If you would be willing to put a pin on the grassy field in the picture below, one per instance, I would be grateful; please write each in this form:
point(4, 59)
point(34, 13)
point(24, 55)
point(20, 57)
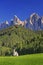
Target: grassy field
point(34, 59)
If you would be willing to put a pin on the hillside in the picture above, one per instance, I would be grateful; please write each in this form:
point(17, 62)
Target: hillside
point(23, 40)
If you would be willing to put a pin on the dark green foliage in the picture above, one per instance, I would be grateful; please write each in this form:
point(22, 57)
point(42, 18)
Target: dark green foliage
point(23, 40)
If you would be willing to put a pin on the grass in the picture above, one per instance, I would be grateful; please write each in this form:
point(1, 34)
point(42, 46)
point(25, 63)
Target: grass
point(33, 59)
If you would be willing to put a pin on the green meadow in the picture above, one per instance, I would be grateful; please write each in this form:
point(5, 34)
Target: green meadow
point(33, 59)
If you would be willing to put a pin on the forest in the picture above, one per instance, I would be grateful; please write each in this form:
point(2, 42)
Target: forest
point(24, 41)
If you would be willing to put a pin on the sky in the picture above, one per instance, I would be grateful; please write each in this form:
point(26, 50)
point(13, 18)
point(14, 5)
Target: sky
point(22, 8)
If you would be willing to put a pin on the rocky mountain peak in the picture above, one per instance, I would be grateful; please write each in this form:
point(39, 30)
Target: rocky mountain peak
point(33, 18)
point(34, 22)
point(16, 18)
point(17, 21)
point(6, 22)
point(42, 19)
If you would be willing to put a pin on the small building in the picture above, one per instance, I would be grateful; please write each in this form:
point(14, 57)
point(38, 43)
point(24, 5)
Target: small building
point(15, 53)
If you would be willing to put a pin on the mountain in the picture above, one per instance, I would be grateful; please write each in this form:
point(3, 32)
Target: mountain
point(22, 36)
point(17, 21)
point(4, 25)
point(34, 22)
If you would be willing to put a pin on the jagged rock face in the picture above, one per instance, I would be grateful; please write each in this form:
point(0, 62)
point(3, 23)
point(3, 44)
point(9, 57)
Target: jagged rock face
point(17, 21)
point(42, 22)
point(34, 18)
point(4, 24)
point(42, 19)
point(35, 22)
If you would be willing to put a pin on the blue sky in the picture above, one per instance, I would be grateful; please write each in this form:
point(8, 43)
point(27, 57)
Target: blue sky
point(22, 8)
